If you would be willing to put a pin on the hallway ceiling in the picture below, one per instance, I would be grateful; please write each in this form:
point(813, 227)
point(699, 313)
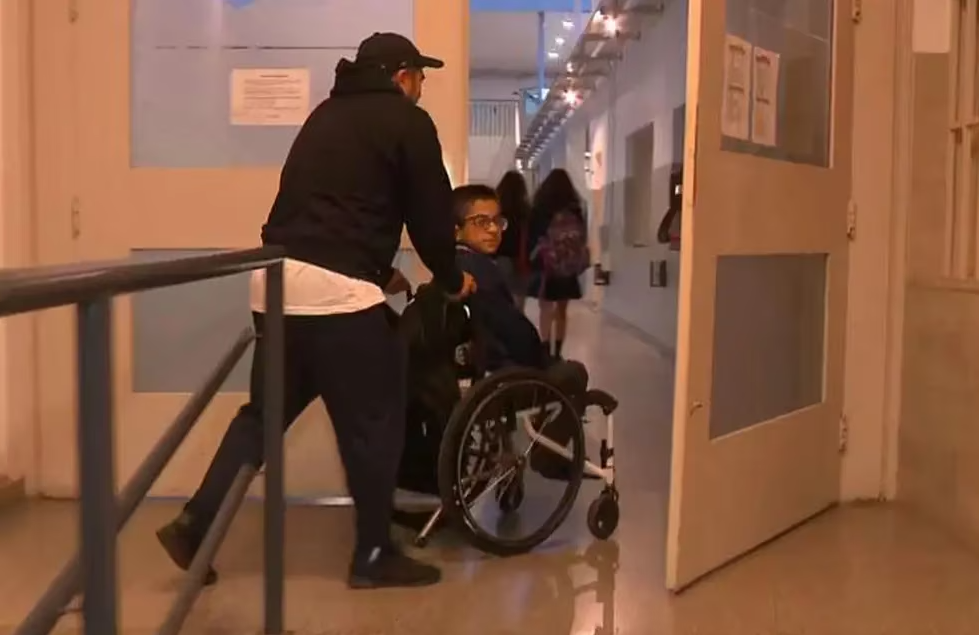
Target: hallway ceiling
point(505, 43)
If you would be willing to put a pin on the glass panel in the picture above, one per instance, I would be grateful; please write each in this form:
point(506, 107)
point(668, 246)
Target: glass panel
point(183, 53)
point(769, 338)
point(180, 333)
point(799, 32)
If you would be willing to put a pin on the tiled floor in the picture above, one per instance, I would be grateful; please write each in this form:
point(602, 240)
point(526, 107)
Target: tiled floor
point(853, 571)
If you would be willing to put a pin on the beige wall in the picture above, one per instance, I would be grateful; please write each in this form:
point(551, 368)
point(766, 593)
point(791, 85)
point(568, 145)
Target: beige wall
point(16, 340)
point(4, 391)
point(442, 29)
point(937, 435)
point(938, 430)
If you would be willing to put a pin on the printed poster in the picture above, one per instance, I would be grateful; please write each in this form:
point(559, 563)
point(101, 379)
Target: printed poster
point(270, 96)
point(765, 96)
point(738, 77)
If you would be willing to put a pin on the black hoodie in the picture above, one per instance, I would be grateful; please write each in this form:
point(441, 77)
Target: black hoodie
point(366, 162)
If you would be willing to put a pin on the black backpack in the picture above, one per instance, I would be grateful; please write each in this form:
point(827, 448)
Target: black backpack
point(432, 327)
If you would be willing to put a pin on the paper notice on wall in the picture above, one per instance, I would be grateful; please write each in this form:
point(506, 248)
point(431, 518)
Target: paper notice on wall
point(765, 96)
point(270, 96)
point(738, 76)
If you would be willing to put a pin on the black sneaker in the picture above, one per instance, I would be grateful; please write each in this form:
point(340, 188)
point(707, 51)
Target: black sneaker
point(389, 567)
point(181, 540)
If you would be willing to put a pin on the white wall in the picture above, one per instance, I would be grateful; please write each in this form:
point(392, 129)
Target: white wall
point(648, 85)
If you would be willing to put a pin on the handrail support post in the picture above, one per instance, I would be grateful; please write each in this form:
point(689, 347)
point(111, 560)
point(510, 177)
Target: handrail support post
point(96, 460)
point(272, 339)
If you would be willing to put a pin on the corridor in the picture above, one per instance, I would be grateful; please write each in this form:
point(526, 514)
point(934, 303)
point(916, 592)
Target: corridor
point(857, 570)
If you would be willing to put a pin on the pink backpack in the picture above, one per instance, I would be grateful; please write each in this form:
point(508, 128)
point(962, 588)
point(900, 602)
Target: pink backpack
point(564, 248)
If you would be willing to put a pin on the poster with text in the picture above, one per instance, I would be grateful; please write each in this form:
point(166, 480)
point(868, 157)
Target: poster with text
point(765, 96)
point(738, 77)
point(270, 96)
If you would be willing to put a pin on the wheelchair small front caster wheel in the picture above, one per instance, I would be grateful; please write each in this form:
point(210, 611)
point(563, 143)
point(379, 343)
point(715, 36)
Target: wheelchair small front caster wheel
point(510, 496)
point(604, 515)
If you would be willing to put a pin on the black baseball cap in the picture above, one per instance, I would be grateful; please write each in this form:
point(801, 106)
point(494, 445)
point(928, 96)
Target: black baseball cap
point(394, 52)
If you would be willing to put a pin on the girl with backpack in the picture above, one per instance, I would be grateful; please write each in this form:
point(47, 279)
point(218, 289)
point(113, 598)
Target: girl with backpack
point(559, 255)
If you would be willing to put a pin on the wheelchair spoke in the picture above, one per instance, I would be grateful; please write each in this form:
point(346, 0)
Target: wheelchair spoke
point(492, 485)
point(536, 431)
point(483, 475)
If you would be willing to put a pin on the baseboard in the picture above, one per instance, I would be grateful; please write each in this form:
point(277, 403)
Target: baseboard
point(11, 491)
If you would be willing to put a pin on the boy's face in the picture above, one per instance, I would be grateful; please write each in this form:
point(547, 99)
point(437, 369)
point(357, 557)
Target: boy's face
point(483, 227)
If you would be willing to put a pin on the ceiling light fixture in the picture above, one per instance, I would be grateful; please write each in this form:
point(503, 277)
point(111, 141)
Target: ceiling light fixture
point(559, 40)
point(567, 24)
point(610, 25)
point(552, 55)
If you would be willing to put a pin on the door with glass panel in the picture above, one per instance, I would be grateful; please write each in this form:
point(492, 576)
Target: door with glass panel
point(162, 125)
point(763, 276)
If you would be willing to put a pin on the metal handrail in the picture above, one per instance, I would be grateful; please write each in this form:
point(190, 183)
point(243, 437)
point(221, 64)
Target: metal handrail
point(91, 287)
point(35, 288)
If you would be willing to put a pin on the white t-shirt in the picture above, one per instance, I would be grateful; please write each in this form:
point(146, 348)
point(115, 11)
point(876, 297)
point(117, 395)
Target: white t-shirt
point(312, 290)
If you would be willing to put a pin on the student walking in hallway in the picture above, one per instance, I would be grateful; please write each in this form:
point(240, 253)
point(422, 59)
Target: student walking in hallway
point(559, 255)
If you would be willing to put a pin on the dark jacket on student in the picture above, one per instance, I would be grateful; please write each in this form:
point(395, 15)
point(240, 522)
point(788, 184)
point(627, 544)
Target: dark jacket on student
point(366, 162)
point(508, 336)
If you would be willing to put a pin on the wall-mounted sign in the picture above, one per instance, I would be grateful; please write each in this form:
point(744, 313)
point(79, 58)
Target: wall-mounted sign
point(765, 96)
point(738, 78)
point(270, 96)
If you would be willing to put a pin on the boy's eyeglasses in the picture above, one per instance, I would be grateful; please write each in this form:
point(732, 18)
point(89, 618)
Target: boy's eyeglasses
point(486, 222)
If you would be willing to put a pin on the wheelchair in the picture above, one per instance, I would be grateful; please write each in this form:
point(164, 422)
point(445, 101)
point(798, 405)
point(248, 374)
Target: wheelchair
point(463, 448)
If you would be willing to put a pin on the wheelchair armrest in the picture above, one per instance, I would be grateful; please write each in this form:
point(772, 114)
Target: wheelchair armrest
point(603, 400)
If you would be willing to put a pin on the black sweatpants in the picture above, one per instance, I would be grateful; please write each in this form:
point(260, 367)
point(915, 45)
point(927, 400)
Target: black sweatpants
point(356, 363)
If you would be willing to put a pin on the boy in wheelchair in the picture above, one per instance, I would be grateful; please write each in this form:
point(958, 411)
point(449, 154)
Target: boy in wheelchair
point(506, 335)
point(497, 333)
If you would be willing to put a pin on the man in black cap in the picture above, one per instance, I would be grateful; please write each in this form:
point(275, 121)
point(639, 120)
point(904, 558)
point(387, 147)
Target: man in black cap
point(366, 163)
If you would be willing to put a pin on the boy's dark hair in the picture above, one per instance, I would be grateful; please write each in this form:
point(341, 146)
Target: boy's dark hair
point(466, 195)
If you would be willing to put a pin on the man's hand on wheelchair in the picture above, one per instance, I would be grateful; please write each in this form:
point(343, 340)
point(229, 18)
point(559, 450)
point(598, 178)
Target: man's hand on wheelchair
point(468, 288)
point(398, 284)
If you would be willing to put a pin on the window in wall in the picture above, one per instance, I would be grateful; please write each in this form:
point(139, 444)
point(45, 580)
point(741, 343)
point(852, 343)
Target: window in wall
point(788, 45)
point(961, 212)
point(493, 117)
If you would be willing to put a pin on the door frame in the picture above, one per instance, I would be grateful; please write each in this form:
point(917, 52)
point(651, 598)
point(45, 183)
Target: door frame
point(18, 399)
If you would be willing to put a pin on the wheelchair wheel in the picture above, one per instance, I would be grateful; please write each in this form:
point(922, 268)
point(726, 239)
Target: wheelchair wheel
point(480, 459)
point(603, 517)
